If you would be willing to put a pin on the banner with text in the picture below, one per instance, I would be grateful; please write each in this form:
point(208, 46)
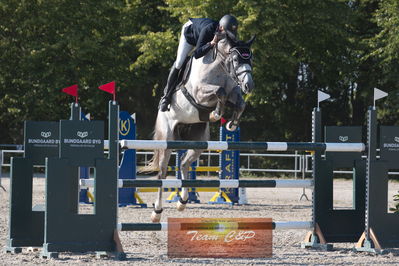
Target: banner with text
point(220, 237)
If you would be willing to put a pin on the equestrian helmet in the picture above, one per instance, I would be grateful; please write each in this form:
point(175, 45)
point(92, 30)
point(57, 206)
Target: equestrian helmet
point(230, 25)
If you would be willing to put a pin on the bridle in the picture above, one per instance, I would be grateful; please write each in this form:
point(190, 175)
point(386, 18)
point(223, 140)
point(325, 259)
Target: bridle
point(244, 56)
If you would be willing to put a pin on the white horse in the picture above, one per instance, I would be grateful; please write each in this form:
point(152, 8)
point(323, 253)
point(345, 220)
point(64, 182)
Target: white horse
point(214, 80)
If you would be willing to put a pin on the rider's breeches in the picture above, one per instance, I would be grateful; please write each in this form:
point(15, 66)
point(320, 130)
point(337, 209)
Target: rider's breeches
point(184, 47)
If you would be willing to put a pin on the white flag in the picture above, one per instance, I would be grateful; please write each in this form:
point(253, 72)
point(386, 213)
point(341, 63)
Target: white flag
point(87, 116)
point(133, 116)
point(321, 96)
point(378, 94)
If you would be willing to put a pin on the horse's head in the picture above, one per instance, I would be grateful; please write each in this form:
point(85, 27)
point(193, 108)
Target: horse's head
point(238, 60)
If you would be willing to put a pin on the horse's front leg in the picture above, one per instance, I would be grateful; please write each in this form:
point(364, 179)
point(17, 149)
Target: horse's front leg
point(235, 119)
point(216, 114)
point(239, 106)
point(188, 159)
point(164, 156)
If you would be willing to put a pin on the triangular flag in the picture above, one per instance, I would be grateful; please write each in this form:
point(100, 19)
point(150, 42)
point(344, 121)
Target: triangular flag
point(109, 87)
point(71, 90)
point(133, 116)
point(223, 121)
point(87, 116)
point(378, 94)
point(321, 96)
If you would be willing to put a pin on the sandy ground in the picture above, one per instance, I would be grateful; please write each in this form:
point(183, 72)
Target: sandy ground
point(150, 248)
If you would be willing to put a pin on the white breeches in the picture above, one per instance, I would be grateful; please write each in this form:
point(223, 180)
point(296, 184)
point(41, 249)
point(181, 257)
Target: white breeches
point(184, 47)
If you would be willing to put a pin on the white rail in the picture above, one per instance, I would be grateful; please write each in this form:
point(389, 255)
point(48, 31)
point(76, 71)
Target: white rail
point(301, 162)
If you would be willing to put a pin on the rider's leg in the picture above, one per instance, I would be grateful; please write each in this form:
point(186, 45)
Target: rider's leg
point(182, 52)
point(168, 91)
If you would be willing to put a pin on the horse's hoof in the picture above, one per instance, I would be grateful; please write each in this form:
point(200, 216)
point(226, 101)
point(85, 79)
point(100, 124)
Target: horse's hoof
point(230, 126)
point(180, 206)
point(155, 217)
point(214, 117)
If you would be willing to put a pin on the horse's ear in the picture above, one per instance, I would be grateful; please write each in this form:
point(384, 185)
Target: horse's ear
point(249, 43)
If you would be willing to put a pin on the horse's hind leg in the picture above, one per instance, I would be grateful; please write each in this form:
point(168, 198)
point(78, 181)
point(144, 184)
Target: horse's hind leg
point(164, 156)
point(188, 159)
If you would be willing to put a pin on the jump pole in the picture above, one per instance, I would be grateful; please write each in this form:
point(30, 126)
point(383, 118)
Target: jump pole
point(179, 183)
point(228, 169)
point(243, 145)
point(298, 225)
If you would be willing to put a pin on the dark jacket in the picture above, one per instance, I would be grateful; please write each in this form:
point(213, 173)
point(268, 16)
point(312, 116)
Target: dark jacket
point(200, 34)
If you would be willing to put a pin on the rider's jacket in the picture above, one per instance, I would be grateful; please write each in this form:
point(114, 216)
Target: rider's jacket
point(200, 34)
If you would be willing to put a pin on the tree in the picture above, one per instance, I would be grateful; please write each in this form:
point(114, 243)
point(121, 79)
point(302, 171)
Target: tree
point(384, 48)
point(48, 45)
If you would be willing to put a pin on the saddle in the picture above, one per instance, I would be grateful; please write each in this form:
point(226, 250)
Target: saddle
point(182, 79)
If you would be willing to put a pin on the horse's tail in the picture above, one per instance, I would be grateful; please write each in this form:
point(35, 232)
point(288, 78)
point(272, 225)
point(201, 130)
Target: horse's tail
point(153, 164)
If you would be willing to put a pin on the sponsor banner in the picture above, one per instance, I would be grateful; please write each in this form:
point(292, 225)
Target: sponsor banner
point(231, 162)
point(220, 237)
point(127, 126)
point(82, 141)
point(389, 144)
point(41, 140)
point(343, 134)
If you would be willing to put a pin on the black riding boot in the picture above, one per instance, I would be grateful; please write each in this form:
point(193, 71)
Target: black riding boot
point(168, 91)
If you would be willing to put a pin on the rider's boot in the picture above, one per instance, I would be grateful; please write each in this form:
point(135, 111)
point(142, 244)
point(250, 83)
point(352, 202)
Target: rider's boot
point(168, 91)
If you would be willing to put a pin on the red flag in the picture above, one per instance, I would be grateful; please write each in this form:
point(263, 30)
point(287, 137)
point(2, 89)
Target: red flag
point(109, 87)
point(72, 90)
point(222, 121)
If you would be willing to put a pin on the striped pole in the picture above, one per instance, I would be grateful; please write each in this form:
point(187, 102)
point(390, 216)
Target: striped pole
point(298, 225)
point(197, 168)
point(227, 183)
point(155, 189)
point(242, 145)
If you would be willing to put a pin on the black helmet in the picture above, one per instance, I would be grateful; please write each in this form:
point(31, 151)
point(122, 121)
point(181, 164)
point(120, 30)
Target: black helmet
point(230, 25)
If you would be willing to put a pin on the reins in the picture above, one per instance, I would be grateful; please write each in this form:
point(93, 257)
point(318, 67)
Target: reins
point(222, 63)
point(232, 73)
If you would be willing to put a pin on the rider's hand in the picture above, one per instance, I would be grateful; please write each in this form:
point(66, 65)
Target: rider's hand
point(215, 40)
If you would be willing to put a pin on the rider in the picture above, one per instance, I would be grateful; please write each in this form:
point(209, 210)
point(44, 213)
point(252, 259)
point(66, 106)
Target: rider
point(203, 34)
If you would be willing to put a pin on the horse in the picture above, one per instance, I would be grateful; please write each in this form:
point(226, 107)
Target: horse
point(217, 79)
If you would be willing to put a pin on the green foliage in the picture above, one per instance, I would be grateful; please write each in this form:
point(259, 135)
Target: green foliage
point(345, 48)
point(155, 48)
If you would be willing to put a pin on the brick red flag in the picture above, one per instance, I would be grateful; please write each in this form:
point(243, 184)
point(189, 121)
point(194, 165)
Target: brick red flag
point(109, 87)
point(71, 90)
point(222, 121)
